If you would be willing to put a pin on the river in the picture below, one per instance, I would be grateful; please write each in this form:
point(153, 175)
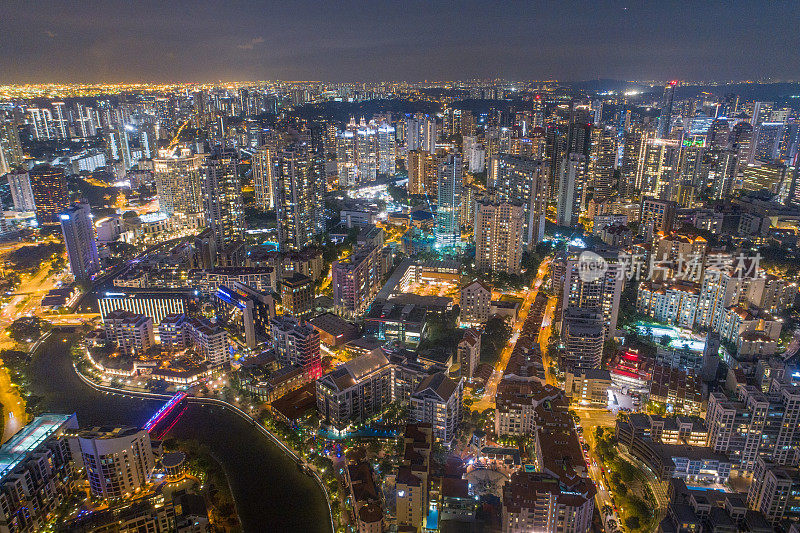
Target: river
point(271, 493)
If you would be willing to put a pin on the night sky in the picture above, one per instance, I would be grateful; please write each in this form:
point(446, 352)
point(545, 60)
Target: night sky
point(128, 40)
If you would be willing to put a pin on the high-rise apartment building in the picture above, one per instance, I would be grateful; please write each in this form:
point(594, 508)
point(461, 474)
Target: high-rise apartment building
point(421, 133)
point(521, 180)
point(603, 161)
point(475, 303)
point(657, 171)
point(364, 150)
point(346, 153)
point(656, 216)
point(602, 292)
point(296, 343)
point(49, 192)
point(60, 122)
point(423, 173)
point(755, 425)
point(665, 119)
point(412, 487)
point(298, 197)
point(571, 189)
point(178, 177)
point(448, 212)
point(775, 491)
point(582, 334)
point(437, 401)
point(469, 352)
point(118, 460)
point(10, 146)
point(78, 231)
point(132, 333)
point(297, 294)
point(41, 121)
point(19, 182)
point(498, 237)
point(222, 197)
point(263, 178)
point(386, 149)
point(38, 475)
point(356, 280)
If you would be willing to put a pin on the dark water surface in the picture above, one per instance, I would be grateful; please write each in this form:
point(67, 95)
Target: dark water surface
point(271, 493)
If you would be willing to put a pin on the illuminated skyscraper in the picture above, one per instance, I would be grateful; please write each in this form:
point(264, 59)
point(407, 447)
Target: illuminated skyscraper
point(421, 132)
point(49, 192)
point(178, 182)
point(76, 225)
point(346, 157)
point(521, 180)
point(298, 197)
point(665, 120)
point(498, 237)
point(363, 151)
point(366, 153)
point(571, 189)
point(263, 181)
point(603, 160)
point(21, 192)
point(60, 124)
point(423, 173)
point(222, 197)
point(448, 220)
point(386, 150)
point(42, 122)
point(10, 147)
point(761, 112)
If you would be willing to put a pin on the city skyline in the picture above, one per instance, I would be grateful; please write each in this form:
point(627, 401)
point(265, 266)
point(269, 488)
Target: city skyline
point(182, 42)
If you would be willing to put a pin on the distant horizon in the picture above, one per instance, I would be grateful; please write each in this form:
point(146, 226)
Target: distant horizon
point(435, 40)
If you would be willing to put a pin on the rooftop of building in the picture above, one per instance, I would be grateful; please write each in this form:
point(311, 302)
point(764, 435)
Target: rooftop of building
point(333, 325)
point(108, 432)
point(296, 280)
point(350, 373)
point(438, 384)
point(29, 438)
point(127, 317)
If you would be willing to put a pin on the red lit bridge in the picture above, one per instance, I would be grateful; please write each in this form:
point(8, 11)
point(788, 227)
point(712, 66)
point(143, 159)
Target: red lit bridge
point(167, 415)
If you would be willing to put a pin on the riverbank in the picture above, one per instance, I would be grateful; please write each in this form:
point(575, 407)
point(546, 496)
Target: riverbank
point(266, 484)
point(216, 490)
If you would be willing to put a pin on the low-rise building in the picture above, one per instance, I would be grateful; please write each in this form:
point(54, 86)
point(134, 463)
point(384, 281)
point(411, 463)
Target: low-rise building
point(365, 497)
point(333, 330)
point(588, 386)
point(403, 323)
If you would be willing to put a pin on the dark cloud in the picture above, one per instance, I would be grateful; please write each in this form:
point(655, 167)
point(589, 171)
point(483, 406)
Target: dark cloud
point(182, 40)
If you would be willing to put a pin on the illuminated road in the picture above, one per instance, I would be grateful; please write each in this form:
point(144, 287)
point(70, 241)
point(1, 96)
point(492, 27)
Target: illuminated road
point(24, 303)
point(488, 400)
point(544, 339)
point(590, 419)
